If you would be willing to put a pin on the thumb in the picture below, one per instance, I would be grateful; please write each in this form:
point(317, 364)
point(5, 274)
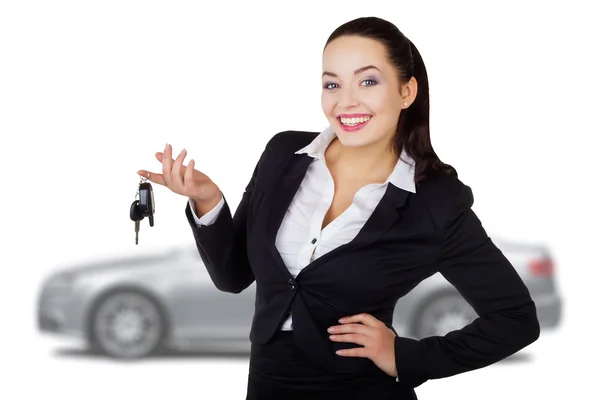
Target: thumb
point(153, 177)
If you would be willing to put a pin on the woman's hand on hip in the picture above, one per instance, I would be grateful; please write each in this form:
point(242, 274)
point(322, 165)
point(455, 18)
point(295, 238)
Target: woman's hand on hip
point(181, 179)
point(374, 335)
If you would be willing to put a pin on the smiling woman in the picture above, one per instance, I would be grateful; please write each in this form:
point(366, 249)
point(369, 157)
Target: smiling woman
point(336, 226)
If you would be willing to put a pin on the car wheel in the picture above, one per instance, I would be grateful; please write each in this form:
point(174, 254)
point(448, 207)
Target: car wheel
point(127, 324)
point(443, 314)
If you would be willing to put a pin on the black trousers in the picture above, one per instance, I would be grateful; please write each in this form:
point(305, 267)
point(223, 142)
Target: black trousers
point(279, 370)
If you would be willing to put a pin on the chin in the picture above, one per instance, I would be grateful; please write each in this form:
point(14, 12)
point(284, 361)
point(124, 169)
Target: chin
point(352, 139)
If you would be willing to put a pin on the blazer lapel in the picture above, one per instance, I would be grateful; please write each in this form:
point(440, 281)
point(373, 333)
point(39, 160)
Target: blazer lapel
point(385, 215)
point(281, 197)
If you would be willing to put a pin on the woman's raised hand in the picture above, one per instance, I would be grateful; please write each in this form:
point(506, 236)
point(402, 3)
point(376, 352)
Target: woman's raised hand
point(181, 179)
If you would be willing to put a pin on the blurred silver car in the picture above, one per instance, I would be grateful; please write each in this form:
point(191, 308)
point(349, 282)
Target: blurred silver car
point(133, 307)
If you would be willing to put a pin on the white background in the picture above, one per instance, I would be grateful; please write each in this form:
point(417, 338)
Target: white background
point(89, 91)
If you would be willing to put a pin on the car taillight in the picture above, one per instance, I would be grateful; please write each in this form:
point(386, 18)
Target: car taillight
point(542, 266)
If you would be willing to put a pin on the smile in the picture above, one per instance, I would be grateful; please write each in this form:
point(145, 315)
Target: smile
point(353, 124)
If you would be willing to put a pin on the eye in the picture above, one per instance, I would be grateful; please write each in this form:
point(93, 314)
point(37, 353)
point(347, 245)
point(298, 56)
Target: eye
point(370, 80)
point(327, 85)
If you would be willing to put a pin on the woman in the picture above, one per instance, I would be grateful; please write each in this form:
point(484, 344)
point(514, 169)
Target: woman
point(344, 223)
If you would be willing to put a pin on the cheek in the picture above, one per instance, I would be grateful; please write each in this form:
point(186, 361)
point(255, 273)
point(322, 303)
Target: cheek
point(381, 102)
point(327, 103)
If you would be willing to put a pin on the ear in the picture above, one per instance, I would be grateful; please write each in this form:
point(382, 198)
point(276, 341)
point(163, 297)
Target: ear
point(408, 90)
point(412, 89)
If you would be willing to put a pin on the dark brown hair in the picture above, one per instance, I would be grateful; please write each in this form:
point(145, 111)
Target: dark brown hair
point(412, 133)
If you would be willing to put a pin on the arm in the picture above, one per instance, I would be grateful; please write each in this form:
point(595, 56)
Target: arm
point(507, 319)
point(221, 239)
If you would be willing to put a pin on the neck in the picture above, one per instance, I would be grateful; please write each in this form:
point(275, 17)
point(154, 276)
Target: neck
point(373, 163)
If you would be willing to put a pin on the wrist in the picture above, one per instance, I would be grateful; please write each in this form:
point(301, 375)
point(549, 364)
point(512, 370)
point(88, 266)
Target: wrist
point(203, 206)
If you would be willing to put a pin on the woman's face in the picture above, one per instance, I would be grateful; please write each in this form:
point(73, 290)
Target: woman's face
point(360, 96)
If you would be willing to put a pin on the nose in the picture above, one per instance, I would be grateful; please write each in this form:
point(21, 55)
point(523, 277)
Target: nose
point(347, 98)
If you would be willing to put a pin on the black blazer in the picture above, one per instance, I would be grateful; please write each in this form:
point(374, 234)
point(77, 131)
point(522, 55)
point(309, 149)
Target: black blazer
point(409, 237)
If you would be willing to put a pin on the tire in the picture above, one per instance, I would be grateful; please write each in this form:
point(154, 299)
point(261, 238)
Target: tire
point(126, 324)
point(442, 314)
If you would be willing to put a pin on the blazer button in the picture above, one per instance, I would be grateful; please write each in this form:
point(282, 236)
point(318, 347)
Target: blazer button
point(292, 284)
point(314, 241)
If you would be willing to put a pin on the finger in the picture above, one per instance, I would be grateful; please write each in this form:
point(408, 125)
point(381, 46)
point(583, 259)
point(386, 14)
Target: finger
point(352, 328)
point(365, 318)
point(159, 157)
point(357, 338)
point(176, 174)
point(167, 164)
point(354, 352)
point(188, 176)
point(152, 177)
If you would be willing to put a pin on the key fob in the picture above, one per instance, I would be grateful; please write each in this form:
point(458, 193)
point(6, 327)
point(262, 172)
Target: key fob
point(135, 213)
point(146, 202)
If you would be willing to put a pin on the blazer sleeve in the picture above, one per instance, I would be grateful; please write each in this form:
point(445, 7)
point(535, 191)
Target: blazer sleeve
point(222, 244)
point(210, 216)
point(507, 318)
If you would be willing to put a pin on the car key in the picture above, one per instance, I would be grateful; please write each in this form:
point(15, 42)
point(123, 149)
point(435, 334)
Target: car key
point(142, 207)
point(137, 231)
point(136, 216)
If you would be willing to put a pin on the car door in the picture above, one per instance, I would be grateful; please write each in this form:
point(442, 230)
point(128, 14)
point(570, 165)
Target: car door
point(204, 312)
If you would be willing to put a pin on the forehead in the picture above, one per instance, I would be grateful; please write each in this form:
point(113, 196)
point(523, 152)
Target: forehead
point(347, 53)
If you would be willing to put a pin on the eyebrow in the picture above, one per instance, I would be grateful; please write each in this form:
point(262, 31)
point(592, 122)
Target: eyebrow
point(358, 71)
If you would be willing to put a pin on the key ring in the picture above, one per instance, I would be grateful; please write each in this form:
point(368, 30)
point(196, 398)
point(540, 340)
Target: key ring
point(143, 179)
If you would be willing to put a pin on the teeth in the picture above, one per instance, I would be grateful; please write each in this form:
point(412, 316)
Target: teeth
point(354, 121)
